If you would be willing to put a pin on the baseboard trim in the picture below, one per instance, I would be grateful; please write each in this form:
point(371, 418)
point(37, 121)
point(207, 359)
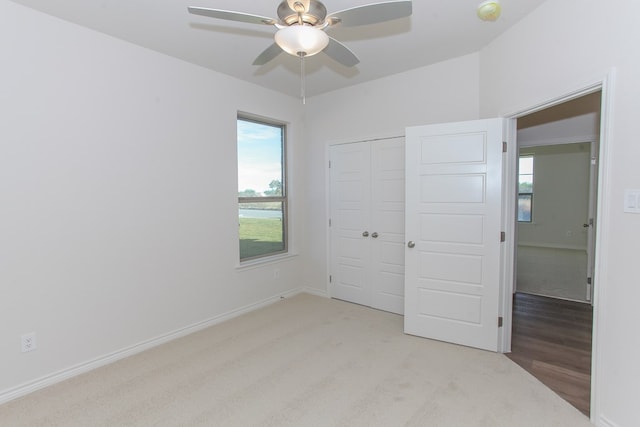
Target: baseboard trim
point(315, 291)
point(73, 371)
point(552, 246)
point(604, 422)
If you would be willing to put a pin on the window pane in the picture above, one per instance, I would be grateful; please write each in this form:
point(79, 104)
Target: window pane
point(262, 228)
point(260, 159)
point(524, 207)
point(525, 184)
point(525, 188)
point(526, 165)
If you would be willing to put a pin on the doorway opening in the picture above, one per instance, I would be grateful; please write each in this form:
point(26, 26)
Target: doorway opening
point(552, 318)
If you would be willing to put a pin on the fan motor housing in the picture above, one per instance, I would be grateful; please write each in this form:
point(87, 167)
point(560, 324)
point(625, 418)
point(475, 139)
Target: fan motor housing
point(312, 12)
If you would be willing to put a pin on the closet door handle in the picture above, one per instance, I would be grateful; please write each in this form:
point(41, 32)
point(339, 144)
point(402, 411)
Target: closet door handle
point(411, 244)
point(365, 234)
point(375, 235)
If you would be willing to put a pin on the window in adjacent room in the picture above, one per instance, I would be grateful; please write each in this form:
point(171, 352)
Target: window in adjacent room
point(525, 189)
point(262, 190)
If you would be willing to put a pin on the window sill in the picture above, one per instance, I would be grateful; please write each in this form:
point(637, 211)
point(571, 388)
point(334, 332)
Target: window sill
point(256, 263)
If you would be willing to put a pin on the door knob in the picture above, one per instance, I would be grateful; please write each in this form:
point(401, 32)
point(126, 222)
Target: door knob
point(585, 225)
point(365, 234)
point(411, 244)
point(374, 235)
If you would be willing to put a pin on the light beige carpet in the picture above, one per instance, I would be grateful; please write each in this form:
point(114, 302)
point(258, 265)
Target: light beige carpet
point(304, 361)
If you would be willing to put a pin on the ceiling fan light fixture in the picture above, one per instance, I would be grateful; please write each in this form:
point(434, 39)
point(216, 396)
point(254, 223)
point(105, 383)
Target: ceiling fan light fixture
point(489, 10)
point(301, 40)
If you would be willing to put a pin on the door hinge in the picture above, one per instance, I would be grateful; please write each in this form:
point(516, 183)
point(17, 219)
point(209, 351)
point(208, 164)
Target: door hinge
point(503, 236)
point(504, 146)
point(588, 280)
point(500, 321)
point(329, 164)
point(330, 278)
point(329, 222)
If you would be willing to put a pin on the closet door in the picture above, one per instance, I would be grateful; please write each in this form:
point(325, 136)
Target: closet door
point(350, 219)
point(387, 219)
point(367, 223)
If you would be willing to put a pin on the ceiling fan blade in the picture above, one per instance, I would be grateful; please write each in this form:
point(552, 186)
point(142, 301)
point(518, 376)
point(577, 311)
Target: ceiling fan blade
point(341, 53)
point(232, 16)
point(268, 54)
point(371, 13)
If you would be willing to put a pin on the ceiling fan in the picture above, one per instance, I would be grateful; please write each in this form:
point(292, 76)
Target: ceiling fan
point(301, 26)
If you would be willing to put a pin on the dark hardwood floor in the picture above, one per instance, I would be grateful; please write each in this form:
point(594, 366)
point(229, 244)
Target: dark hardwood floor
point(551, 339)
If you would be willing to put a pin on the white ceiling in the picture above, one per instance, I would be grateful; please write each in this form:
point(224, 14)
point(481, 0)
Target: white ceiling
point(437, 30)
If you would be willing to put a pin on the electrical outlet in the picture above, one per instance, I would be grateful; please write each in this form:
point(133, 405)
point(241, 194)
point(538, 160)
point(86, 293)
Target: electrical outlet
point(29, 342)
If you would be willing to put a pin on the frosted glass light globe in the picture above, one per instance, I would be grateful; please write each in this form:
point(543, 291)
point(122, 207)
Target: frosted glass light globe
point(302, 40)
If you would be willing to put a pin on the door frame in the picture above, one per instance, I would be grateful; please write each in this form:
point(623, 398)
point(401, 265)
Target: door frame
point(592, 217)
point(604, 201)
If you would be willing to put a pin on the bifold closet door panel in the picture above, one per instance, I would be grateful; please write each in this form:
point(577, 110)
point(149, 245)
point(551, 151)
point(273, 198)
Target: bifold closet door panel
point(387, 219)
point(350, 171)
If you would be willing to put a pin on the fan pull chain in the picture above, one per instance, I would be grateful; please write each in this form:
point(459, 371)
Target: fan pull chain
point(302, 80)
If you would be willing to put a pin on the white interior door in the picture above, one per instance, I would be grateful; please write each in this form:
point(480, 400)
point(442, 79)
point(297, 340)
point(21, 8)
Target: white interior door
point(387, 229)
point(453, 230)
point(350, 219)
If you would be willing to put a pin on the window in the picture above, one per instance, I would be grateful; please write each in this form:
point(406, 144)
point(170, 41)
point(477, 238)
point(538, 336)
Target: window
point(262, 190)
point(525, 188)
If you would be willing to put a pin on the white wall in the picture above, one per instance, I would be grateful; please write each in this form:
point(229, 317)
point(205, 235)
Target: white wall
point(562, 46)
point(443, 92)
point(560, 196)
point(118, 195)
point(115, 165)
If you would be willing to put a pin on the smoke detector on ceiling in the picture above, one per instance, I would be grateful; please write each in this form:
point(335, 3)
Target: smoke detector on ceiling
point(489, 10)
